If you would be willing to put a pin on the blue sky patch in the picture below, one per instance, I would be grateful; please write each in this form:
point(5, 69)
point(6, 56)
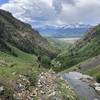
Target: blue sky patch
point(3, 1)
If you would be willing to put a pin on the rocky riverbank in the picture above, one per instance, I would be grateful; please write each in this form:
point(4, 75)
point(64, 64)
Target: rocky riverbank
point(92, 82)
point(85, 86)
point(47, 87)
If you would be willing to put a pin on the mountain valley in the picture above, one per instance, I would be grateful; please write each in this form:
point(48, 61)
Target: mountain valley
point(39, 67)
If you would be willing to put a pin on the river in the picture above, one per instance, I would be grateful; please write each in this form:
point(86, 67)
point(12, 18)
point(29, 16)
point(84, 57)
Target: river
point(83, 89)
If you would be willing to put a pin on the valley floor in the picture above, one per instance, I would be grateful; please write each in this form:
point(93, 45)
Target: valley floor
point(69, 40)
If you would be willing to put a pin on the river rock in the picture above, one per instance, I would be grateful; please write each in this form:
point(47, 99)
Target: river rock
point(97, 89)
point(1, 89)
point(96, 84)
point(19, 87)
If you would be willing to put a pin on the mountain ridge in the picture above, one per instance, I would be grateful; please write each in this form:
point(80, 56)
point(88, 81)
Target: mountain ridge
point(23, 36)
point(86, 47)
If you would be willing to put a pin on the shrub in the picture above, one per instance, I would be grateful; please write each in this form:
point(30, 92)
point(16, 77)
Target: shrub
point(98, 78)
point(46, 61)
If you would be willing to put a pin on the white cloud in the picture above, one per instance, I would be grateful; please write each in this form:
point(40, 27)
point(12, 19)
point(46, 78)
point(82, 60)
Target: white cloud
point(55, 12)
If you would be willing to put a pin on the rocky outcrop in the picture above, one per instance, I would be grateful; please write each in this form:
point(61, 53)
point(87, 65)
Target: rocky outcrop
point(46, 88)
point(22, 88)
point(92, 82)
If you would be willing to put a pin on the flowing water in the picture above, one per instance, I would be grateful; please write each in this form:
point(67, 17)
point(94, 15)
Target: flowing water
point(83, 89)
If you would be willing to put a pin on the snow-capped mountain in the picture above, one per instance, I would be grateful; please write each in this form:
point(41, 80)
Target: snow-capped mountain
point(77, 26)
point(70, 30)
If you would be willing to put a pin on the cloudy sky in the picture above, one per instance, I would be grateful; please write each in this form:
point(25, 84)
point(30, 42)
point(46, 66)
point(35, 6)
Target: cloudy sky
point(54, 12)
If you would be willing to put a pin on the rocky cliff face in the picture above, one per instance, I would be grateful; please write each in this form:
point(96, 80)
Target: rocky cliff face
point(23, 36)
point(90, 35)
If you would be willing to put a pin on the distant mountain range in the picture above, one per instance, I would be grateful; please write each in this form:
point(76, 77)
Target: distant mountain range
point(71, 30)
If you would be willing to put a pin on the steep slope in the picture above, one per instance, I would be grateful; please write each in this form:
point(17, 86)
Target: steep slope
point(88, 46)
point(20, 74)
point(89, 64)
point(22, 36)
point(11, 66)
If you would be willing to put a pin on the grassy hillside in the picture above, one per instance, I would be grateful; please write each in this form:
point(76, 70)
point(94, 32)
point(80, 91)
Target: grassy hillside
point(88, 46)
point(12, 65)
point(23, 36)
point(22, 63)
point(95, 72)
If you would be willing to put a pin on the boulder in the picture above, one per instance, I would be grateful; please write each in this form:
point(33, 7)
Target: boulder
point(1, 89)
